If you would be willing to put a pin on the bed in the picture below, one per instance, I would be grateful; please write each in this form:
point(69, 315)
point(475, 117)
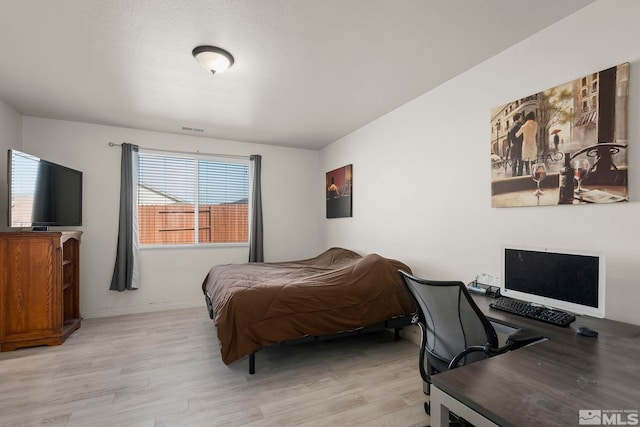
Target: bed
point(254, 305)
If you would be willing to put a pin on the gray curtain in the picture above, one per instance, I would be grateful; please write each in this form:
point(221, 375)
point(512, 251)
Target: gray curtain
point(125, 271)
point(255, 235)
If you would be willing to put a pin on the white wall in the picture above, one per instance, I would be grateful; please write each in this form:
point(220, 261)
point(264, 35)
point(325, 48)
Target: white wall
point(421, 173)
point(10, 137)
point(172, 278)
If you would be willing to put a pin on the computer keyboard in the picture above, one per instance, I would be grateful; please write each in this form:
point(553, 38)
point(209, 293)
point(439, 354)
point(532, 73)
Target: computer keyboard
point(526, 309)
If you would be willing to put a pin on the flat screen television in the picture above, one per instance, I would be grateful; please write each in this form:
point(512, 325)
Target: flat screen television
point(42, 193)
point(573, 281)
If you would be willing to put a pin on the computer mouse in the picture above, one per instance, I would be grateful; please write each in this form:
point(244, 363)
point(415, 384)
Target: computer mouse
point(586, 331)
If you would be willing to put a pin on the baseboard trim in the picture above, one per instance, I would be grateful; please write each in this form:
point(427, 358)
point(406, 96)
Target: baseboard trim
point(411, 333)
point(149, 308)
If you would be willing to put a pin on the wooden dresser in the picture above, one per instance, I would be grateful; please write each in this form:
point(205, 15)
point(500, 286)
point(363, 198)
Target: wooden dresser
point(39, 288)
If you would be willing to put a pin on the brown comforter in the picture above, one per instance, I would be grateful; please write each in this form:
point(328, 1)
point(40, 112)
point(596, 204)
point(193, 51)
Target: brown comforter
point(258, 304)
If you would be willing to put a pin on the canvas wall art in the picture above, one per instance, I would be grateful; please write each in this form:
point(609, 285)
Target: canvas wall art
point(563, 146)
point(339, 189)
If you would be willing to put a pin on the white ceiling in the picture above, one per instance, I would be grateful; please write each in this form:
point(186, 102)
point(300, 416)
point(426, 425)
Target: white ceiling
point(306, 72)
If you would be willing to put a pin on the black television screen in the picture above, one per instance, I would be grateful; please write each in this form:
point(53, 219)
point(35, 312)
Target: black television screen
point(42, 193)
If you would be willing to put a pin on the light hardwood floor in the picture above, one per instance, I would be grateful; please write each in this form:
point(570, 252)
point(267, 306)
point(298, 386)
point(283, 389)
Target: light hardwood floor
point(164, 369)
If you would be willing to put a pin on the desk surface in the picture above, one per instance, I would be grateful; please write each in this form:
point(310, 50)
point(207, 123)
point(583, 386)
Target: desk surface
point(549, 382)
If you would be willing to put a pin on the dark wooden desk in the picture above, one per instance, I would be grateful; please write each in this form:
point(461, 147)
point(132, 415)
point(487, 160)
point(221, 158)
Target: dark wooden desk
point(548, 383)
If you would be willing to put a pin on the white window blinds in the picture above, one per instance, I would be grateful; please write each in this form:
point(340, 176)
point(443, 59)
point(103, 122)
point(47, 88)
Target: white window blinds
point(192, 200)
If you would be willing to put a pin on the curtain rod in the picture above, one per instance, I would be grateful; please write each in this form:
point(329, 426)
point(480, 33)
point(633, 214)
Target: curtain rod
point(231, 156)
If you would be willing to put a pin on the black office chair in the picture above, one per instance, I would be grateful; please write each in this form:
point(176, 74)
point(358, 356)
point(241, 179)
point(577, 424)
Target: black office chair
point(454, 330)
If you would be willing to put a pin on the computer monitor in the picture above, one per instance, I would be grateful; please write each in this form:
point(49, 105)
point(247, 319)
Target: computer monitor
point(573, 281)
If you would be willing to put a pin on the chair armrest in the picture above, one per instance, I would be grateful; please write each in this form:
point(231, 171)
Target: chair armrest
point(456, 360)
point(519, 338)
point(522, 337)
point(515, 340)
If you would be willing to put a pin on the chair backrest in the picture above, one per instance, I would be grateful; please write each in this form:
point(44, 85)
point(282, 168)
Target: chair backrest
point(452, 320)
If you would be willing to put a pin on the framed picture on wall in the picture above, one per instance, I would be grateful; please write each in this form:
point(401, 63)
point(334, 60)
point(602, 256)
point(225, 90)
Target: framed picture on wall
point(563, 146)
point(339, 188)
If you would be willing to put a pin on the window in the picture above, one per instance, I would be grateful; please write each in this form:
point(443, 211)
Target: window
point(173, 188)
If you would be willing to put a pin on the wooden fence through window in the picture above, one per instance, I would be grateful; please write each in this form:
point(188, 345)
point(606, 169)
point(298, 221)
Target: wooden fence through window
point(174, 224)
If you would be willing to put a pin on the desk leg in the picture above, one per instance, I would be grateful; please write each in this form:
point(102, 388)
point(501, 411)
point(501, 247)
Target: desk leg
point(439, 412)
point(442, 403)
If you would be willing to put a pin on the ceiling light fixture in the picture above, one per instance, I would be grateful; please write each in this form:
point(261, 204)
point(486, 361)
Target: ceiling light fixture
point(213, 58)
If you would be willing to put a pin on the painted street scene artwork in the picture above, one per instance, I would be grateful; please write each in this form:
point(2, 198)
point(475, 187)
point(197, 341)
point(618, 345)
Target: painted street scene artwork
point(563, 146)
